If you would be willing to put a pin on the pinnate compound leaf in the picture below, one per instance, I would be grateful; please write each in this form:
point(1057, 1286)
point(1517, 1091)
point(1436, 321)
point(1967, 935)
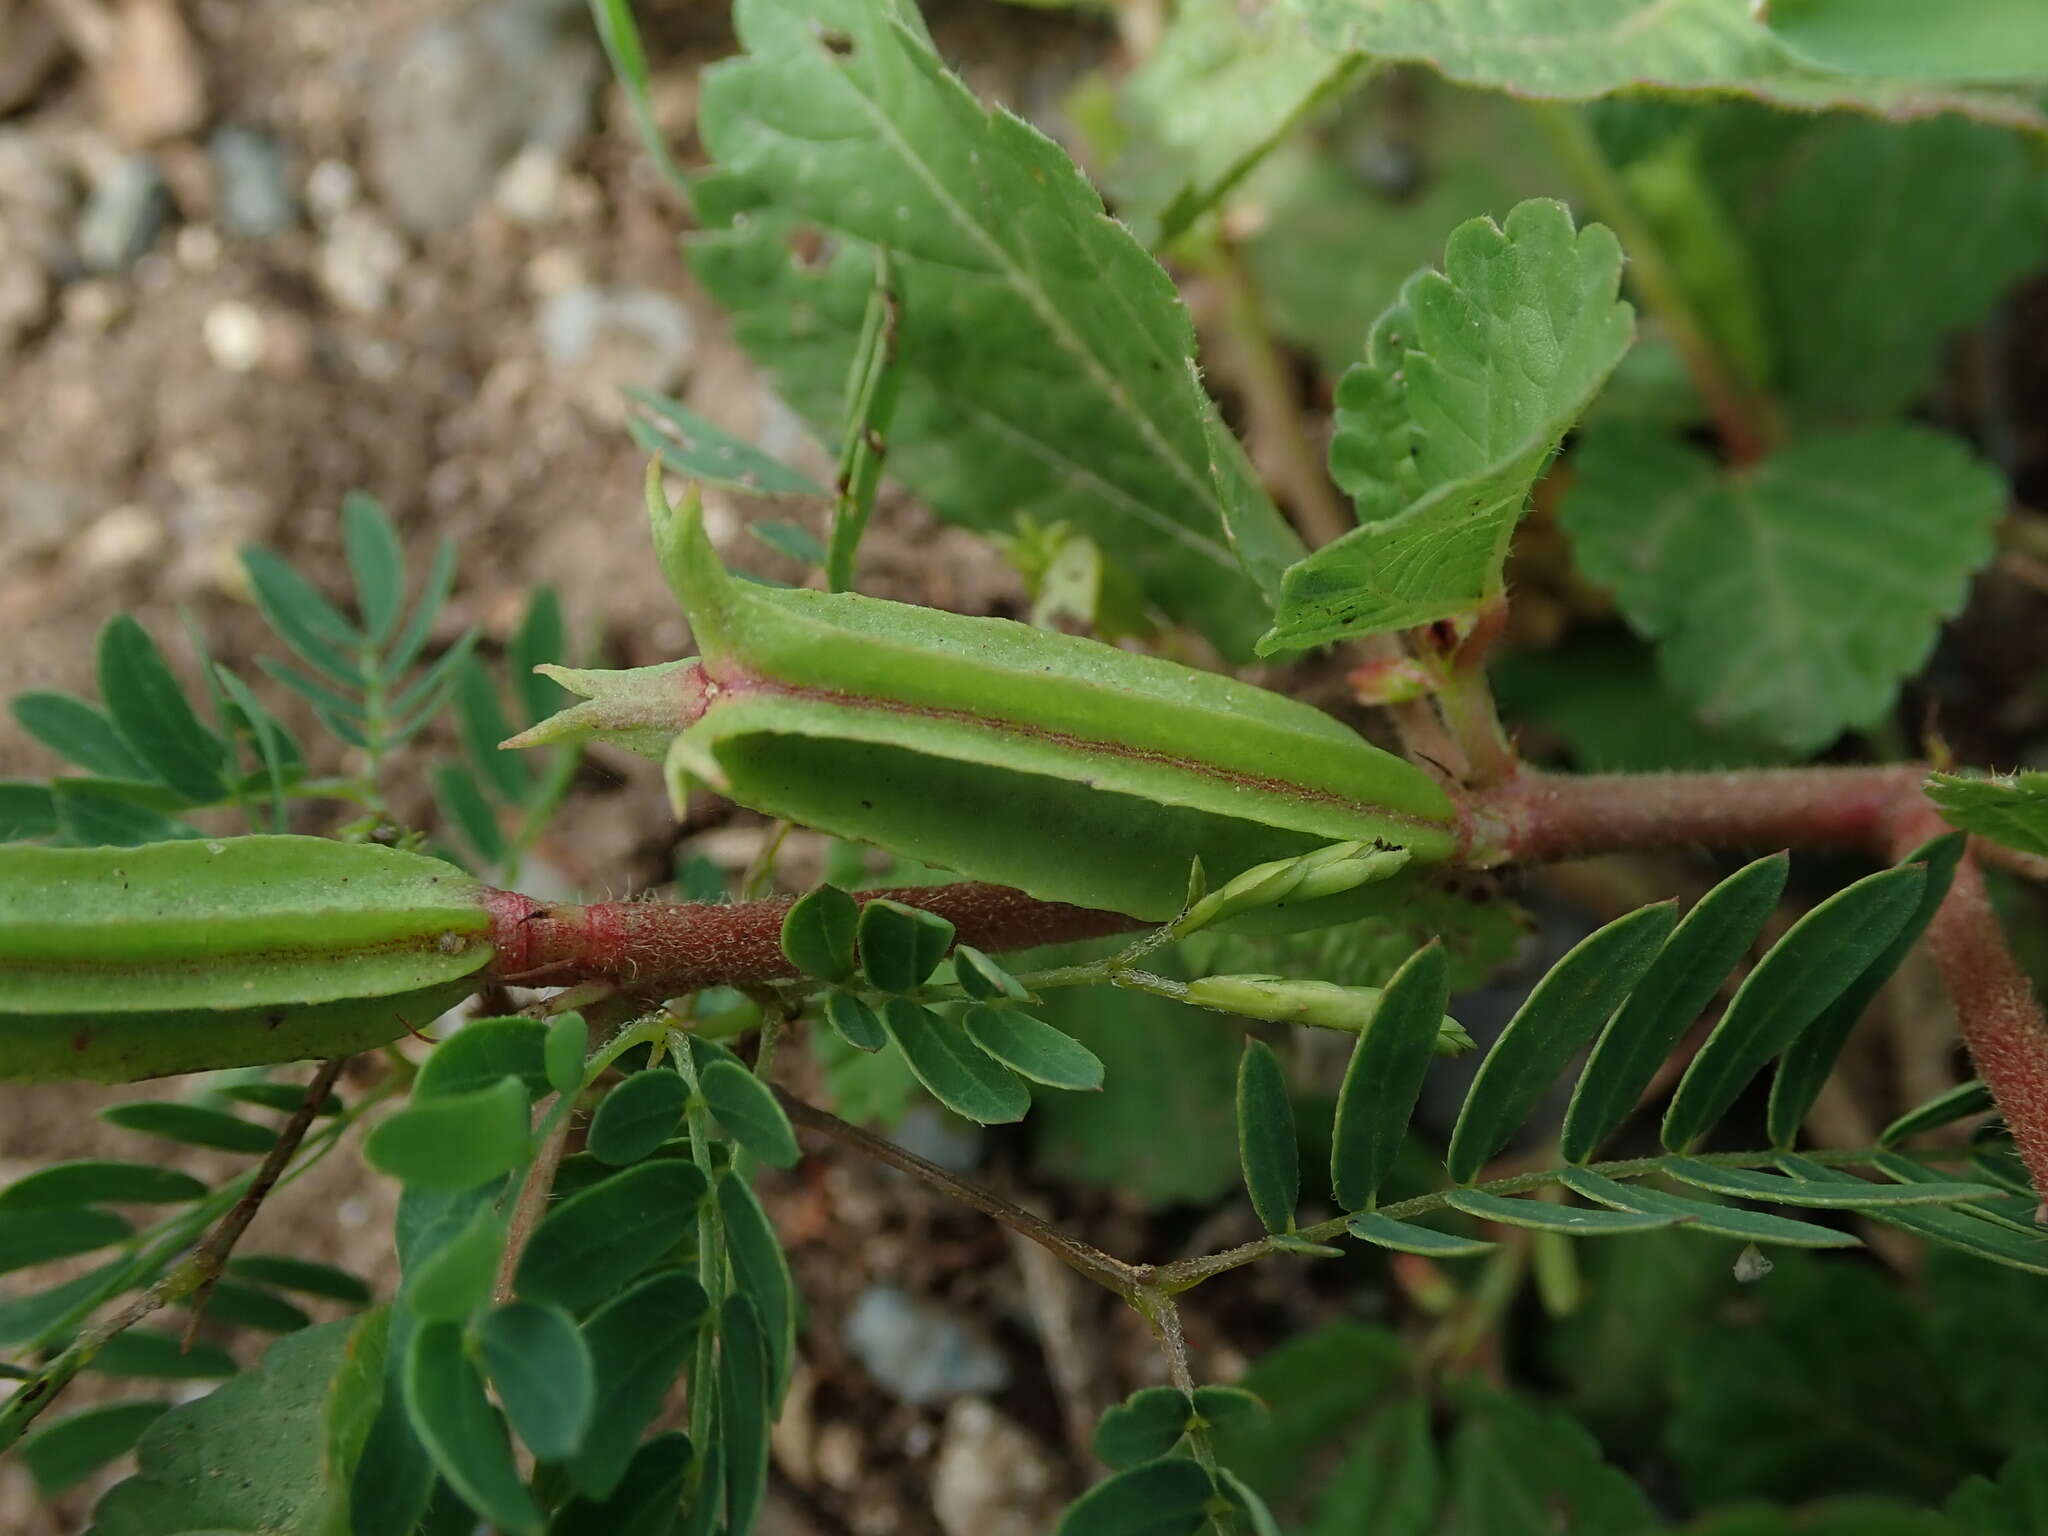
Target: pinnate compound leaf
point(746, 1110)
point(1804, 1068)
point(818, 931)
point(601, 1237)
point(637, 1116)
point(900, 946)
point(1566, 1010)
point(699, 450)
point(1788, 599)
point(303, 619)
point(1681, 981)
point(90, 1181)
point(1143, 1427)
point(638, 1342)
point(77, 732)
point(1816, 961)
point(1721, 1220)
point(193, 1124)
point(1384, 1079)
point(1046, 362)
point(71, 1449)
point(454, 1141)
point(1820, 1188)
point(1034, 1049)
point(445, 1399)
point(958, 1073)
point(1406, 1237)
point(1160, 1498)
point(2012, 810)
point(540, 1368)
point(153, 716)
point(230, 1461)
point(1265, 1137)
point(1588, 48)
point(1469, 383)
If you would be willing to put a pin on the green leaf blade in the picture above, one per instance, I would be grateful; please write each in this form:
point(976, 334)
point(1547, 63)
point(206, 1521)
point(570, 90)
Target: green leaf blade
point(598, 1238)
point(1384, 1231)
point(77, 732)
point(1143, 1427)
point(1266, 1141)
point(1384, 1078)
point(1542, 1216)
point(745, 1107)
point(1568, 1007)
point(637, 1116)
point(1034, 1049)
point(445, 1400)
point(376, 562)
point(638, 1341)
point(1721, 1220)
point(2012, 810)
point(958, 1073)
point(154, 719)
point(1160, 1498)
point(818, 933)
point(541, 1369)
point(454, 1141)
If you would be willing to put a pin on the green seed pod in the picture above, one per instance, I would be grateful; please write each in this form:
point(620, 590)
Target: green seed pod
point(1320, 1004)
point(122, 963)
point(1066, 768)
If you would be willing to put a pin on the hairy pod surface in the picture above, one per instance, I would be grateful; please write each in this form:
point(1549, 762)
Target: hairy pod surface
point(1068, 769)
point(121, 963)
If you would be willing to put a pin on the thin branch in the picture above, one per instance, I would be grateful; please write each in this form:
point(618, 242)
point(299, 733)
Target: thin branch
point(532, 1204)
point(1124, 1279)
point(211, 1256)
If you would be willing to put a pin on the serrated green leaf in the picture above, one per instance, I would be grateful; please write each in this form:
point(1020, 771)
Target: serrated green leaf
point(762, 1271)
point(564, 1051)
point(480, 1053)
point(71, 1449)
point(1384, 1078)
point(91, 1181)
point(1804, 1068)
point(252, 1306)
point(190, 1123)
point(958, 1073)
point(1040, 350)
point(454, 1280)
point(1958, 1103)
point(2012, 810)
point(303, 1275)
point(155, 1356)
point(746, 1409)
point(1034, 1049)
point(854, 1022)
point(1143, 1427)
point(40, 1235)
point(983, 978)
point(900, 946)
point(303, 619)
point(445, 1399)
point(1161, 1498)
point(1266, 1144)
point(1470, 382)
point(1721, 1220)
point(77, 732)
point(638, 1342)
point(150, 710)
point(637, 1116)
point(1816, 961)
point(1788, 599)
point(646, 1499)
point(1679, 984)
point(376, 562)
point(1565, 1011)
point(1990, 41)
point(1406, 1237)
point(601, 1237)
point(1838, 1190)
point(1542, 1216)
point(456, 1140)
point(746, 1110)
point(541, 1369)
point(1581, 50)
point(818, 932)
point(694, 447)
point(1943, 217)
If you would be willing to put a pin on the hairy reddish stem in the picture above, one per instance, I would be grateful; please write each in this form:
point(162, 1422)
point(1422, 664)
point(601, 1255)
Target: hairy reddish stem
point(1997, 1011)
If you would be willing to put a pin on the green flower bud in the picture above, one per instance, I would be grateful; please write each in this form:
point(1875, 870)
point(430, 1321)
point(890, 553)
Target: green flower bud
point(1319, 1004)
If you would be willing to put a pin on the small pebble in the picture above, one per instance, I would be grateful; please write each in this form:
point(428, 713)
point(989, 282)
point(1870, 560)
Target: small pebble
point(234, 335)
point(253, 189)
point(124, 213)
point(359, 260)
point(920, 1351)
